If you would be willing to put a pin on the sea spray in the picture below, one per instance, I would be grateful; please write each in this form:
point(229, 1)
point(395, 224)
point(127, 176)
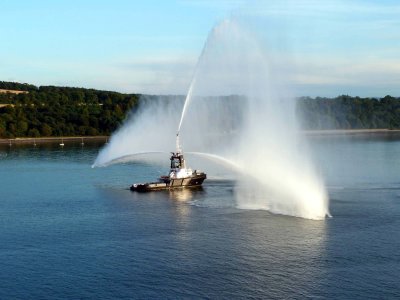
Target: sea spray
point(150, 129)
point(237, 109)
point(257, 128)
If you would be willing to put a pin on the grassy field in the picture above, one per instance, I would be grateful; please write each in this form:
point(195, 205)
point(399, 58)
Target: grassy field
point(12, 91)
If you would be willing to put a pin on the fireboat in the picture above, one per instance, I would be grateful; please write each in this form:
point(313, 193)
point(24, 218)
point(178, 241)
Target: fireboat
point(179, 175)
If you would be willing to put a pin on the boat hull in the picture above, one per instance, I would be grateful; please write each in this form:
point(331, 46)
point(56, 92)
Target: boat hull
point(192, 181)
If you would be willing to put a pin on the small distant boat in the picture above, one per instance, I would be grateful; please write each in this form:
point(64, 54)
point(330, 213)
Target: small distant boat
point(62, 142)
point(179, 176)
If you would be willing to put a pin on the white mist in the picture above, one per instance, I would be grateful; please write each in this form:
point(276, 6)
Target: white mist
point(237, 108)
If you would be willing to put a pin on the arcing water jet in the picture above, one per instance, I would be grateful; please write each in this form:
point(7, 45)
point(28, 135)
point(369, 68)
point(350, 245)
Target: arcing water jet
point(255, 127)
point(236, 108)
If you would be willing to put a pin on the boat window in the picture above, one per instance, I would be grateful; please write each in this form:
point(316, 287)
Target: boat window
point(175, 163)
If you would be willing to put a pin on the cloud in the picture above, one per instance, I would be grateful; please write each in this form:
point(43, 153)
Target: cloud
point(162, 74)
point(364, 77)
point(331, 44)
point(158, 63)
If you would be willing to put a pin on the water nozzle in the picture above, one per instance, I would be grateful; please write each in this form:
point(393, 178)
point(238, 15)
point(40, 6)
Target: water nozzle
point(178, 148)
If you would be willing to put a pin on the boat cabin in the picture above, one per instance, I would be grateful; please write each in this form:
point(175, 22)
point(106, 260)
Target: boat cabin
point(177, 161)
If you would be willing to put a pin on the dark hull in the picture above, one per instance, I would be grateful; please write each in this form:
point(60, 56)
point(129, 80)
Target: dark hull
point(193, 181)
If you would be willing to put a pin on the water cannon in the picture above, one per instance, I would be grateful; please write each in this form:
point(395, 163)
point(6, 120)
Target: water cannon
point(178, 147)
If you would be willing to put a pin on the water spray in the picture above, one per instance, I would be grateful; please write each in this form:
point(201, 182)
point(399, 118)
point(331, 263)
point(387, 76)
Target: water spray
point(259, 135)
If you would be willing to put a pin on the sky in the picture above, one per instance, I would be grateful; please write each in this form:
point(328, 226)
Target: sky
point(330, 47)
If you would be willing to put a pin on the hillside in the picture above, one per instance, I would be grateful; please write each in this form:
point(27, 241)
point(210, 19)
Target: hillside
point(61, 111)
point(30, 111)
point(345, 112)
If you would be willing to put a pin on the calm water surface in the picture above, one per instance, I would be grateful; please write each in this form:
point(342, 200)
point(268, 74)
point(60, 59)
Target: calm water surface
point(72, 232)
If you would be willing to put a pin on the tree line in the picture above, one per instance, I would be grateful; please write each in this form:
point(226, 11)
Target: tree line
point(64, 111)
point(346, 112)
point(6, 85)
point(61, 111)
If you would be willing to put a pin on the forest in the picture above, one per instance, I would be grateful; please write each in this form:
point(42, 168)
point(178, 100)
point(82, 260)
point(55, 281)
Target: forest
point(345, 112)
point(65, 111)
point(61, 111)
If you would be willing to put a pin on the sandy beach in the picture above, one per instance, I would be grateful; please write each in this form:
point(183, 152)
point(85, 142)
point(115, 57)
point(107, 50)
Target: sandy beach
point(54, 139)
point(350, 131)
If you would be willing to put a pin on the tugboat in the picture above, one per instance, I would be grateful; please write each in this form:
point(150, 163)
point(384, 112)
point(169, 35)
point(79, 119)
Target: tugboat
point(179, 176)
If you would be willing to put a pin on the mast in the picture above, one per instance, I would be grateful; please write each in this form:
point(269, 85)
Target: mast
point(178, 147)
point(179, 153)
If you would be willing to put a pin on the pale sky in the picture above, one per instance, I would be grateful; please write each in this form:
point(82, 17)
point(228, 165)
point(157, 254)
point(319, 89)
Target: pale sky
point(332, 47)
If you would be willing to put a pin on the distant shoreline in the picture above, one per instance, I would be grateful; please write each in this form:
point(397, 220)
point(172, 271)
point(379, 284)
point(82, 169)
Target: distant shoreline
point(44, 140)
point(104, 138)
point(349, 131)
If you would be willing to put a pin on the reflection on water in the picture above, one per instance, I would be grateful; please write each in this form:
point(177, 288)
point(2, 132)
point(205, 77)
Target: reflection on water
point(256, 250)
point(181, 199)
point(283, 254)
point(185, 194)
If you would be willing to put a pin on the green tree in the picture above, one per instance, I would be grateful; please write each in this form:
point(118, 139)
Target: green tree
point(34, 132)
point(46, 130)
